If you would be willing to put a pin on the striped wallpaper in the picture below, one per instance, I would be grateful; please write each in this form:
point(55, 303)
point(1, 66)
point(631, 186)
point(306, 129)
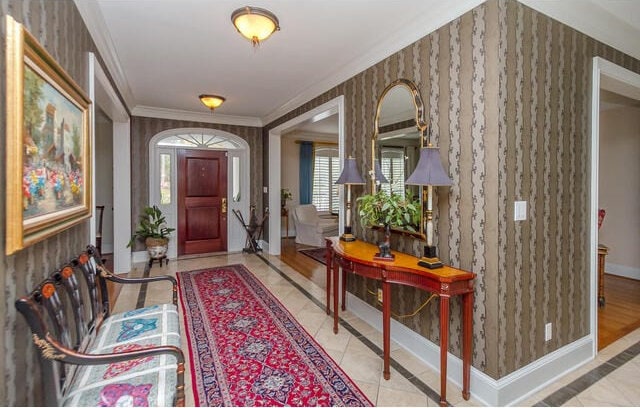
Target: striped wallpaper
point(506, 91)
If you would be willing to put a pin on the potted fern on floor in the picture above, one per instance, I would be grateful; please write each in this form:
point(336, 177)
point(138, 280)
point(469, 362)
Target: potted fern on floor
point(153, 230)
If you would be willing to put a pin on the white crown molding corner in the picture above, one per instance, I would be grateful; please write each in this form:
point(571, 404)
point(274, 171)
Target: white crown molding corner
point(505, 391)
point(93, 19)
point(204, 117)
point(412, 32)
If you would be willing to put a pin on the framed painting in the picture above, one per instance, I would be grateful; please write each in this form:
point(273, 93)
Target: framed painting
point(48, 145)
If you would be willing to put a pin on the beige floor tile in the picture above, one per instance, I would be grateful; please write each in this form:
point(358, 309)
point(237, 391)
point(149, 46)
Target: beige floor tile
point(388, 397)
point(397, 382)
point(370, 390)
point(603, 393)
point(626, 380)
point(364, 367)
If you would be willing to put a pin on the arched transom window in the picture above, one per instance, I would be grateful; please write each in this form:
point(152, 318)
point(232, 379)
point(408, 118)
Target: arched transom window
point(201, 141)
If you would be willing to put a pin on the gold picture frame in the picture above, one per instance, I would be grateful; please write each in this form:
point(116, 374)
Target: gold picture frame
point(48, 157)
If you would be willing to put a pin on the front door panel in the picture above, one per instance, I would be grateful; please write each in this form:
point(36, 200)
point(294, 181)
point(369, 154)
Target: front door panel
point(202, 195)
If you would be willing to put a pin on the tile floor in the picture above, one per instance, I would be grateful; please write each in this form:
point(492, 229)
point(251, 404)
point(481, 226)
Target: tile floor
point(610, 380)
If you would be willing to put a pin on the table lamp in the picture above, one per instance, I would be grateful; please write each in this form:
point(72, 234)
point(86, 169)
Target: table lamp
point(379, 176)
point(429, 172)
point(349, 176)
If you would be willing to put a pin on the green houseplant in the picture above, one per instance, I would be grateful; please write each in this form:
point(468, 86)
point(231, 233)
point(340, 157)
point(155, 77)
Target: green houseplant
point(153, 230)
point(388, 210)
point(393, 210)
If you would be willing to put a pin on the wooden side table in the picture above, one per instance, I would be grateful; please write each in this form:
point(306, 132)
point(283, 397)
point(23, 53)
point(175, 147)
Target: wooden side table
point(284, 213)
point(603, 250)
point(357, 257)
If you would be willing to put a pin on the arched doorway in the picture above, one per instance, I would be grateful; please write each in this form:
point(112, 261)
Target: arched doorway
point(163, 175)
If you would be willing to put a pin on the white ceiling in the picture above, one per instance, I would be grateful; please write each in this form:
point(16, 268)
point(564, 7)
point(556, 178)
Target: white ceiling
point(164, 53)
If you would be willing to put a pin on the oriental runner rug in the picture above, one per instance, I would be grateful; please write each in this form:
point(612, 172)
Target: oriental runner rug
point(246, 349)
point(319, 254)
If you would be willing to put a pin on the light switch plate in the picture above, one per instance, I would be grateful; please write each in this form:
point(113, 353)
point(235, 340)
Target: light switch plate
point(520, 211)
point(265, 189)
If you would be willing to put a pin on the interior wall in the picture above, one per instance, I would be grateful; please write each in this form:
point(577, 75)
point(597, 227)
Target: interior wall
point(506, 91)
point(619, 187)
point(143, 129)
point(59, 28)
point(104, 176)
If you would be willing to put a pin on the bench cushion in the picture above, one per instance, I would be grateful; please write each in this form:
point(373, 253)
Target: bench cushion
point(149, 381)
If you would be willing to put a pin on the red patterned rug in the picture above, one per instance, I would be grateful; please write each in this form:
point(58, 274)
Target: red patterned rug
point(246, 349)
point(319, 254)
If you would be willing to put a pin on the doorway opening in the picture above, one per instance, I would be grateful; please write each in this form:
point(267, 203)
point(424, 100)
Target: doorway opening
point(614, 189)
point(164, 175)
point(333, 107)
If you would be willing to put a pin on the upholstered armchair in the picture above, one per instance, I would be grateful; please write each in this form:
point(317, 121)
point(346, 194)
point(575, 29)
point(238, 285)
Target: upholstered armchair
point(310, 227)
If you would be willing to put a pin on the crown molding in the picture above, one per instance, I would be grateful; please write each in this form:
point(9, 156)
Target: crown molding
point(412, 32)
point(208, 117)
point(93, 20)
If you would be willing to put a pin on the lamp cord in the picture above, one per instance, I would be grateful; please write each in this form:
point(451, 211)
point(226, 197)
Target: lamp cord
point(404, 316)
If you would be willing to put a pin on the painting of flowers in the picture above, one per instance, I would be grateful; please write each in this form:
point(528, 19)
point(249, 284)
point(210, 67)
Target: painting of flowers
point(48, 144)
point(52, 161)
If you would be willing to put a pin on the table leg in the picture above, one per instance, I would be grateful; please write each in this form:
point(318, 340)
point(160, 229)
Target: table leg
point(329, 261)
point(386, 327)
point(336, 294)
point(467, 338)
point(444, 347)
point(344, 290)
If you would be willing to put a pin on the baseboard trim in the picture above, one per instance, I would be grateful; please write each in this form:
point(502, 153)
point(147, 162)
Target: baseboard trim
point(622, 270)
point(507, 390)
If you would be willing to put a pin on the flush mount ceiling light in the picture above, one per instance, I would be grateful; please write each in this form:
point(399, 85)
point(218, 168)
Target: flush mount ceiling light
point(211, 101)
point(255, 23)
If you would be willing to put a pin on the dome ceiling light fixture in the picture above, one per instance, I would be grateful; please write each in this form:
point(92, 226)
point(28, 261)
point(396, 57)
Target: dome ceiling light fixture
point(255, 23)
point(211, 101)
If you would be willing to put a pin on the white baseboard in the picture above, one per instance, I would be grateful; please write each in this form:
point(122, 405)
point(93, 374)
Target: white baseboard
point(622, 270)
point(505, 391)
point(264, 245)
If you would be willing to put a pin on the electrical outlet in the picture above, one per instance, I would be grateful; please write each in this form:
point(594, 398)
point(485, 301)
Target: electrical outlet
point(548, 331)
point(380, 295)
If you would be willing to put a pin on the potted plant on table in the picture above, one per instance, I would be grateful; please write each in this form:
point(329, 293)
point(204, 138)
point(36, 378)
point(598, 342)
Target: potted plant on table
point(153, 229)
point(388, 210)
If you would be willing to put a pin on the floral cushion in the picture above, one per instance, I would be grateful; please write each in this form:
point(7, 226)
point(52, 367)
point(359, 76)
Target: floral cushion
point(148, 381)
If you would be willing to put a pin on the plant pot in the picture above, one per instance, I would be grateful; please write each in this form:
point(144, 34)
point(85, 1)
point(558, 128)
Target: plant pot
point(157, 247)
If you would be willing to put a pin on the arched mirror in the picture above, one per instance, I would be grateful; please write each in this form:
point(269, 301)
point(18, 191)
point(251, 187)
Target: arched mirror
point(399, 130)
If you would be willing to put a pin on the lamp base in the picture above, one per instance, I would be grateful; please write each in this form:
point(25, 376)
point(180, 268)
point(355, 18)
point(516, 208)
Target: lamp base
point(430, 259)
point(347, 236)
point(430, 263)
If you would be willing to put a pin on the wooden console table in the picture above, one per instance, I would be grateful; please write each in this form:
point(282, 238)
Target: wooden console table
point(357, 257)
point(603, 250)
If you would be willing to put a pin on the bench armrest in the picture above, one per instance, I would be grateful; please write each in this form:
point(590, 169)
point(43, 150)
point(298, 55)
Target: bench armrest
point(108, 275)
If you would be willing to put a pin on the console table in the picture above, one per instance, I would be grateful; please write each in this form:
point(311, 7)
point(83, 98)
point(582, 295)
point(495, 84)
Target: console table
point(357, 257)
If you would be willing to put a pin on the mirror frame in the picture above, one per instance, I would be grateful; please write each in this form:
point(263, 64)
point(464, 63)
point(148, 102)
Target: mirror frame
point(421, 125)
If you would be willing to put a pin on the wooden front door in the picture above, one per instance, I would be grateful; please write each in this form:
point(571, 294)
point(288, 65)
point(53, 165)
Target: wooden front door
point(202, 201)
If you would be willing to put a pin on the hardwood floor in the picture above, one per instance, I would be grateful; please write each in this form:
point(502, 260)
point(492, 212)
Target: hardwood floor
point(621, 313)
point(309, 268)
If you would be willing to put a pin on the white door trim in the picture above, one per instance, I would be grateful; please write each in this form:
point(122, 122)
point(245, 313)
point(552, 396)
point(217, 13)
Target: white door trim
point(122, 172)
point(275, 164)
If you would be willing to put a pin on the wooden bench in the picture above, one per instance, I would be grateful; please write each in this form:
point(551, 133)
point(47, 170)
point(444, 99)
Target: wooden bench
point(90, 357)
